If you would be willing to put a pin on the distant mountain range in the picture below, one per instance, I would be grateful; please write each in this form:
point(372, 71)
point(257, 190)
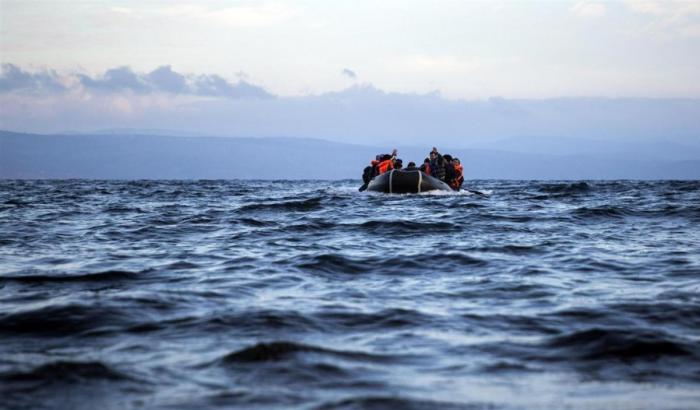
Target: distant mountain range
point(121, 154)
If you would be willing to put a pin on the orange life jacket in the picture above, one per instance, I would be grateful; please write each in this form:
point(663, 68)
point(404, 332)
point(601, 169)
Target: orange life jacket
point(385, 166)
point(459, 176)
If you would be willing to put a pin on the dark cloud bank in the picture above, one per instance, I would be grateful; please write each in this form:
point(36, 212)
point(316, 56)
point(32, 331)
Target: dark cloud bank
point(161, 80)
point(561, 138)
point(13, 78)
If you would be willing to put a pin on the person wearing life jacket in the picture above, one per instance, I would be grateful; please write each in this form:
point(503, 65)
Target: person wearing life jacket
point(387, 163)
point(459, 175)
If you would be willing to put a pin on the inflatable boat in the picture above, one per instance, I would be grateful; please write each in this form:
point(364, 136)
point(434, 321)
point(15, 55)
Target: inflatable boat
point(399, 181)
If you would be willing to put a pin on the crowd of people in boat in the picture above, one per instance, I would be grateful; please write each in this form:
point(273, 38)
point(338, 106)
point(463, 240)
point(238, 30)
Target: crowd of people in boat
point(443, 167)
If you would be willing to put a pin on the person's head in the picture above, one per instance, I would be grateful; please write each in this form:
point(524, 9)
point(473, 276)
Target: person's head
point(398, 163)
point(386, 157)
point(447, 157)
point(411, 164)
point(427, 160)
point(433, 154)
point(456, 161)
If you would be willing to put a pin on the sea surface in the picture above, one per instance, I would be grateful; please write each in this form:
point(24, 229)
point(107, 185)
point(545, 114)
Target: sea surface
point(312, 295)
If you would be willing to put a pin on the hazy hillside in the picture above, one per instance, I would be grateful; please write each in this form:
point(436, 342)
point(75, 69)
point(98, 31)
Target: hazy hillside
point(167, 157)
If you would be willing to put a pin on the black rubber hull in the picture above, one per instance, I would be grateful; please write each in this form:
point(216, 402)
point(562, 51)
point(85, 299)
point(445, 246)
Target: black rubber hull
point(406, 182)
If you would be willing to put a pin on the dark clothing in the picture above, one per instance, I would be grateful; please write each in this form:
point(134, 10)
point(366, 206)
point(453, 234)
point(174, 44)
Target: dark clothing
point(367, 174)
point(411, 168)
point(437, 167)
point(450, 174)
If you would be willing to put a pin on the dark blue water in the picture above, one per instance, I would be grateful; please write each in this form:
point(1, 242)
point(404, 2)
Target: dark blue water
point(312, 295)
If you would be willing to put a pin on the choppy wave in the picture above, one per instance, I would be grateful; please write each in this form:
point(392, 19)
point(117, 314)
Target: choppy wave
point(393, 402)
point(106, 276)
point(628, 344)
point(309, 294)
point(66, 372)
point(281, 350)
point(291, 205)
point(62, 320)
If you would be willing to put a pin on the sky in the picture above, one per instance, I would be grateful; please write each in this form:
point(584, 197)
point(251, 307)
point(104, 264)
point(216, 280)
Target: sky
point(463, 49)
point(353, 71)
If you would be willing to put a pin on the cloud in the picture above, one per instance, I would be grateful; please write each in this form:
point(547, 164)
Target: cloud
point(121, 10)
point(116, 79)
point(589, 9)
point(165, 79)
point(447, 64)
point(216, 86)
point(267, 15)
point(669, 17)
point(162, 80)
point(677, 8)
point(13, 78)
point(349, 73)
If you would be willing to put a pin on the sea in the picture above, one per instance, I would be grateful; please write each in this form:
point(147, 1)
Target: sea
point(311, 295)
